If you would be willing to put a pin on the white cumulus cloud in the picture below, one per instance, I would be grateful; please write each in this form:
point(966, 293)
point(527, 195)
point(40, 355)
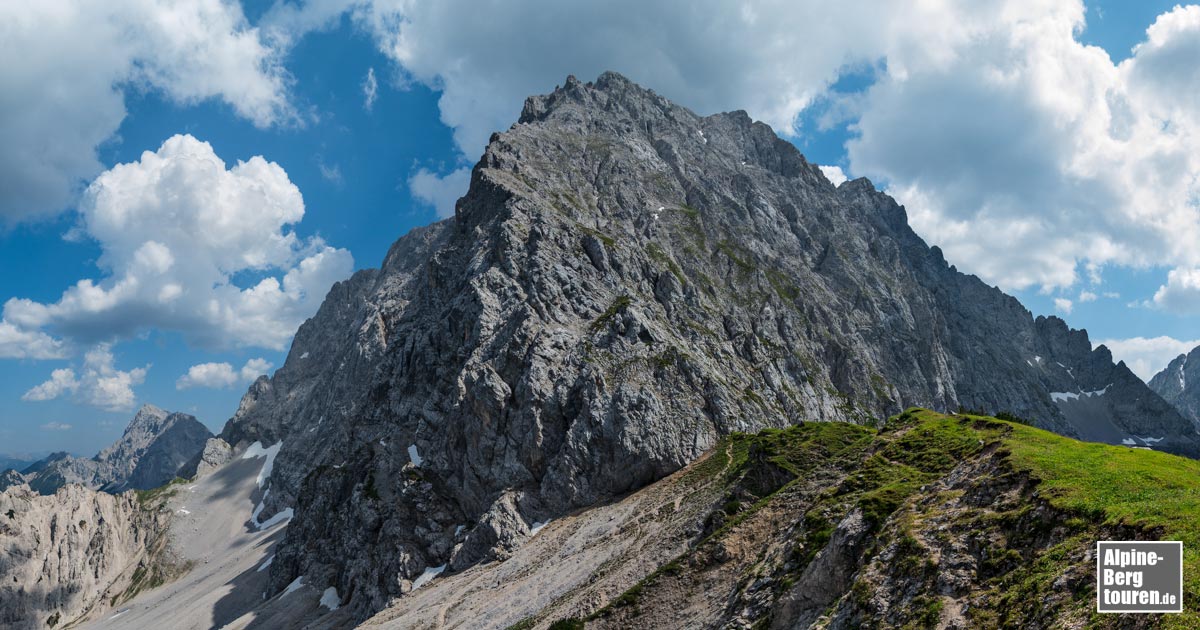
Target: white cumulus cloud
point(834, 174)
point(1181, 293)
point(1028, 156)
point(56, 426)
point(175, 228)
point(1063, 305)
point(23, 344)
point(439, 192)
point(222, 375)
point(100, 384)
point(71, 63)
point(1148, 356)
point(61, 382)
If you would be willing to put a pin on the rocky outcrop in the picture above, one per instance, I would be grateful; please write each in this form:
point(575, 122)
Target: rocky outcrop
point(215, 453)
point(10, 478)
point(154, 446)
point(1179, 384)
point(74, 553)
point(624, 283)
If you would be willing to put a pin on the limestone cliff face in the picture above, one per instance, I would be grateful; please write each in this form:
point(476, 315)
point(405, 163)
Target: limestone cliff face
point(624, 283)
point(150, 453)
point(73, 553)
point(1179, 384)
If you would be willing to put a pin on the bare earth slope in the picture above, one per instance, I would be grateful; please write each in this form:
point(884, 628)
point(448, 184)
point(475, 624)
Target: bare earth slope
point(212, 530)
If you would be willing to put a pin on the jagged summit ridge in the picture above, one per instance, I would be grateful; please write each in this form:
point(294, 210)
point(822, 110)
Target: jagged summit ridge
point(1179, 384)
point(153, 447)
point(625, 282)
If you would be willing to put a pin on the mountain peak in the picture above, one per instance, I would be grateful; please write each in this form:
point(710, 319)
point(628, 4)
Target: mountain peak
point(154, 445)
point(1179, 384)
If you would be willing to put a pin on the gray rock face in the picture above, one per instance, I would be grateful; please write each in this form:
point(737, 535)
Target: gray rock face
point(56, 470)
point(1179, 384)
point(152, 449)
point(72, 554)
point(624, 282)
point(216, 452)
point(10, 478)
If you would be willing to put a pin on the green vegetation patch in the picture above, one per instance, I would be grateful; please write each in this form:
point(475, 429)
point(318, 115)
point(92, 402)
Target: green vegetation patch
point(157, 497)
point(741, 259)
point(618, 305)
point(608, 241)
point(658, 255)
point(1115, 485)
point(1093, 489)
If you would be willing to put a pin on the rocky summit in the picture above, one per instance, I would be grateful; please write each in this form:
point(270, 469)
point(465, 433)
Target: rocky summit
point(1179, 384)
point(149, 454)
point(624, 284)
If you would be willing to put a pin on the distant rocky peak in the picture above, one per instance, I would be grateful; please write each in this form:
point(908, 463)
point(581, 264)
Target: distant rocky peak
point(147, 417)
point(154, 446)
point(1179, 384)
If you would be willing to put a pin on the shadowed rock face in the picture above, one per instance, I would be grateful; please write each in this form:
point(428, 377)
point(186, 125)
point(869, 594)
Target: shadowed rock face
point(624, 282)
point(1179, 384)
point(150, 452)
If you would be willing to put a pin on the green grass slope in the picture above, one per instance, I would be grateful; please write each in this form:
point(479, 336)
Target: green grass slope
point(968, 521)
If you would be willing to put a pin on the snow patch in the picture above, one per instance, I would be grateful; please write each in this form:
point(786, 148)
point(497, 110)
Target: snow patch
point(293, 587)
point(330, 599)
point(1065, 396)
point(256, 450)
point(262, 567)
point(382, 443)
point(304, 356)
point(280, 517)
point(414, 455)
point(183, 511)
point(458, 530)
point(427, 576)
point(259, 508)
point(1129, 442)
point(1151, 440)
point(537, 527)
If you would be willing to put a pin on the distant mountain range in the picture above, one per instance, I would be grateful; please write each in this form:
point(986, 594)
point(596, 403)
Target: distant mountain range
point(149, 453)
point(19, 461)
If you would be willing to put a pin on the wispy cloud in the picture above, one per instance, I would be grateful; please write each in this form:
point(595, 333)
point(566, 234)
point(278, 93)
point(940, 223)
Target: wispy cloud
point(370, 88)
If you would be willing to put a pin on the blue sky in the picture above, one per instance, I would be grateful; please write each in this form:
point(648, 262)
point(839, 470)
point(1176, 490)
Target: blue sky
point(368, 173)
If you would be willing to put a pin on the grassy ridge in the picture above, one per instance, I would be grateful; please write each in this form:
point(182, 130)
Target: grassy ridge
point(1091, 489)
point(1116, 485)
